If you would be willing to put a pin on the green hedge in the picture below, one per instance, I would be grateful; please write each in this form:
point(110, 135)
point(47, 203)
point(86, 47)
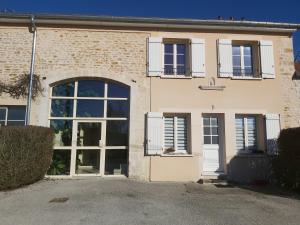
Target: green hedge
point(25, 154)
point(286, 165)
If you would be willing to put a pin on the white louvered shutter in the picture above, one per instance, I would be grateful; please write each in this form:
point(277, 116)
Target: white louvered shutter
point(181, 134)
point(272, 132)
point(154, 133)
point(198, 57)
point(225, 58)
point(267, 59)
point(251, 133)
point(239, 134)
point(169, 135)
point(154, 56)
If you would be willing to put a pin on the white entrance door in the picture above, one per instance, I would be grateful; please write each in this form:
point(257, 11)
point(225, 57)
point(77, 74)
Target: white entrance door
point(212, 157)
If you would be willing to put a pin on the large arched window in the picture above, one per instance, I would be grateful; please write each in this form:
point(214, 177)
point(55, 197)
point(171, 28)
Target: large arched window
point(90, 119)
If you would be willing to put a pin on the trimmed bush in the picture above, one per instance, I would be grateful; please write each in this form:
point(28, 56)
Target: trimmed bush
point(286, 165)
point(25, 154)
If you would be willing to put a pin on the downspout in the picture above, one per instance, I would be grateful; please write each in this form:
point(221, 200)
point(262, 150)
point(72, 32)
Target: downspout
point(29, 99)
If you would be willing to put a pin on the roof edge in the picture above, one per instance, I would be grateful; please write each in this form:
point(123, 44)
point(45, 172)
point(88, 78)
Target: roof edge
point(52, 19)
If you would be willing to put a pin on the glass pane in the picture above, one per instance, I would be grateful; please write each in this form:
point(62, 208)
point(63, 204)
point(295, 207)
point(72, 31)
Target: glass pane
point(117, 133)
point(62, 131)
point(117, 91)
point(87, 161)
point(2, 114)
point(236, 60)
point(248, 61)
point(215, 140)
point(90, 108)
point(16, 113)
point(116, 162)
point(207, 131)
point(89, 134)
point(207, 140)
point(64, 90)
point(247, 50)
point(169, 70)
point(214, 130)
point(62, 108)
point(214, 121)
point(206, 121)
point(181, 59)
point(169, 48)
point(60, 165)
point(117, 108)
point(181, 49)
point(180, 70)
point(90, 88)
point(236, 50)
point(168, 59)
point(15, 123)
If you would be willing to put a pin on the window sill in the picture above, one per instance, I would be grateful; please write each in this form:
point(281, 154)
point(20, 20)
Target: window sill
point(175, 77)
point(176, 154)
point(246, 78)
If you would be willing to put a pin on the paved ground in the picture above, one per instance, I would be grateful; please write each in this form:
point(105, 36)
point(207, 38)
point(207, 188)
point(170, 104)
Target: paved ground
point(102, 201)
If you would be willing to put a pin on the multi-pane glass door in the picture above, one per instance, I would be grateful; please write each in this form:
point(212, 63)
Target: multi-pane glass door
point(89, 146)
point(90, 120)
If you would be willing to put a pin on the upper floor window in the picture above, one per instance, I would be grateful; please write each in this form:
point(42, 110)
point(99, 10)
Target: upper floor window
point(175, 58)
point(12, 115)
point(242, 60)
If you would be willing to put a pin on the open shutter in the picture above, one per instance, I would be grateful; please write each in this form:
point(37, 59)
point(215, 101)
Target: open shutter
point(225, 58)
point(272, 132)
point(154, 56)
point(267, 59)
point(198, 57)
point(154, 133)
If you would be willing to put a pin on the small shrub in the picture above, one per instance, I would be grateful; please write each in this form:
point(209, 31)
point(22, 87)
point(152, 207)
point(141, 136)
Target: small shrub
point(286, 165)
point(25, 154)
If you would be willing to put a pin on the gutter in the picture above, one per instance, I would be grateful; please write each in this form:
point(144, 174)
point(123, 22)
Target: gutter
point(33, 30)
point(142, 22)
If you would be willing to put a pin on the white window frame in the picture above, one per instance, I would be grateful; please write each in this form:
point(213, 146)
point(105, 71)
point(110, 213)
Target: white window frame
point(175, 117)
point(103, 147)
point(187, 59)
point(242, 60)
point(6, 115)
point(210, 126)
point(246, 148)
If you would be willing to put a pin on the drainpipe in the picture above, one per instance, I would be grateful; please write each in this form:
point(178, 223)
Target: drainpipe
point(29, 99)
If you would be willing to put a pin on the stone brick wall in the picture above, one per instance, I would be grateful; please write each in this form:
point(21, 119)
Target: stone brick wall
point(64, 53)
point(290, 85)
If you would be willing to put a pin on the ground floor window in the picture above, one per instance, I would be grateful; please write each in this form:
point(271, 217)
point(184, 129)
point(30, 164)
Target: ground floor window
point(90, 119)
point(246, 133)
point(175, 134)
point(12, 115)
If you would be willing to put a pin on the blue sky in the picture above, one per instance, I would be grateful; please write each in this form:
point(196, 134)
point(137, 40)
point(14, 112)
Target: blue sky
point(261, 10)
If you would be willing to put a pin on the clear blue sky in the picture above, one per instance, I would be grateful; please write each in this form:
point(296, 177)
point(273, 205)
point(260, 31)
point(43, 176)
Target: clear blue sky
point(261, 10)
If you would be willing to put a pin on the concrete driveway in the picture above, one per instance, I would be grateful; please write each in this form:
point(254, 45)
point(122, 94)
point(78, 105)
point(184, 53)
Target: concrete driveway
point(122, 201)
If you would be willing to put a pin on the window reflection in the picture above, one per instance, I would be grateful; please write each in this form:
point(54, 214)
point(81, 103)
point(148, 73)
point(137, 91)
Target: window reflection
point(117, 91)
point(64, 90)
point(117, 108)
point(60, 164)
point(63, 132)
point(116, 162)
point(117, 133)
point(62, 108)
point(90, 88)
point(87, 161)
point(90, 108)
